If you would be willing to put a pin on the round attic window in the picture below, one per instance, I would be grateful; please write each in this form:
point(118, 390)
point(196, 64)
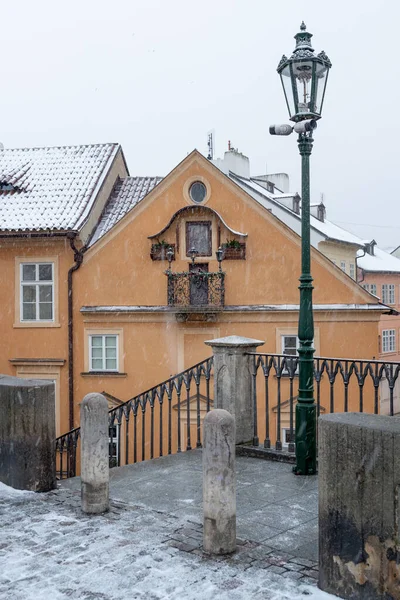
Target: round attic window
point(198, 192)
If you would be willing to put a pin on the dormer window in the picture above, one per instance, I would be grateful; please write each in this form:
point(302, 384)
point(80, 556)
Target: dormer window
point(8, 187)
point(321, 211)
point(198, 192)
point(296, 204)
point(369, 247)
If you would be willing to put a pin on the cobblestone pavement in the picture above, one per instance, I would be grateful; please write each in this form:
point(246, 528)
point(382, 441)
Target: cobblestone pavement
point(50, 550)
point(189, 538)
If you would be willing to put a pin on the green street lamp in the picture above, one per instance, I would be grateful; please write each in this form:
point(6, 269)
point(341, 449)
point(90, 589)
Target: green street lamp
point(304, 77)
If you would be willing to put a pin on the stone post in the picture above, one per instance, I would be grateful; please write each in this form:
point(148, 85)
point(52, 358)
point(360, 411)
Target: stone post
point(94, 454)
point(27, 434)
point(219, 483)
point(233, 381)
point(359, 506)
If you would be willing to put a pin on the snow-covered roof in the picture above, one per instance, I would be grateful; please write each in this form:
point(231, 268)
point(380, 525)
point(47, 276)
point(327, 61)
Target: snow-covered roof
point(379, 262)
point(328, 229)
point(51, 188)
point(127, 193)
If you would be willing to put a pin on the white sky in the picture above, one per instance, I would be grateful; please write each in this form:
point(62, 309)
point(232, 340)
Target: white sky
point(157, 75)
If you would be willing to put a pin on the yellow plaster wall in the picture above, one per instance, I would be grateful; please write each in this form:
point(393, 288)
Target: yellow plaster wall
point(118, 271)
point(337, 253)
point(33, 342)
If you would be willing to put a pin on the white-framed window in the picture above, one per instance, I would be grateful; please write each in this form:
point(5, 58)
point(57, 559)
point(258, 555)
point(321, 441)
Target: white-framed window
point(343, 265)
point(370, 287)
point(103, 352)
point(290, 343)
point(113, 444)
point(388, 293)
point(37, 291)
point(352, 270)
point(388, 340)
point(287, 438)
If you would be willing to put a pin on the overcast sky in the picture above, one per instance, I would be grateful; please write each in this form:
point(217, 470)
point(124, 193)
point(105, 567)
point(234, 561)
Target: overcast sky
point(157, 75)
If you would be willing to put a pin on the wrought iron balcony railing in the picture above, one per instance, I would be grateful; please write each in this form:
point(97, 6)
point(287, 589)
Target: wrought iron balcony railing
point(196, 289)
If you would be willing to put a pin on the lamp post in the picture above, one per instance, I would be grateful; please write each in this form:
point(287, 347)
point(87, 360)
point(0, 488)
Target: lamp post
point(304, 76)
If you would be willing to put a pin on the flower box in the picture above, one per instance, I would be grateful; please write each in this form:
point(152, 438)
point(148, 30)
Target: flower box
point(237, 252)
point(159, 251)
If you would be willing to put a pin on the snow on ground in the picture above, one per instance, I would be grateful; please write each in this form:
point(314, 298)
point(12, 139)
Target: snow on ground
point(50, 550)
point(8, 492)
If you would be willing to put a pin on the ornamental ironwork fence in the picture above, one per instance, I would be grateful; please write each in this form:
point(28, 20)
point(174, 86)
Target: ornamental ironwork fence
point(196, 288)
point(168, 418)
point(165, 419)
point(340, 385)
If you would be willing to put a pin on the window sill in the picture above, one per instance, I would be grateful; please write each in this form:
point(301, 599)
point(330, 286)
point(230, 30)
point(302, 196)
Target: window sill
point(103, 374)
point(36, 324)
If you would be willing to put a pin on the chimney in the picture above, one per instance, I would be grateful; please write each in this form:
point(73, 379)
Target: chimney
point(233, 161)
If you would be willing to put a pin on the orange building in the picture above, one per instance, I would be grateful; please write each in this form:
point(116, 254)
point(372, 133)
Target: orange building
point(90, 300)
point(379, 274)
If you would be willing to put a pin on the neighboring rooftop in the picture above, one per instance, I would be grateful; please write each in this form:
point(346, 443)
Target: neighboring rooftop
point(127, 193)
point(51, 189)
point(379, 262)
point(326, 228)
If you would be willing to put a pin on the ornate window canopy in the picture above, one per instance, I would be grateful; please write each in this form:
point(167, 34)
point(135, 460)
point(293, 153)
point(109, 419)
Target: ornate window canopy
point(194, 210)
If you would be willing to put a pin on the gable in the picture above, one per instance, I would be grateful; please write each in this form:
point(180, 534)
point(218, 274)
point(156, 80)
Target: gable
point(268, 274)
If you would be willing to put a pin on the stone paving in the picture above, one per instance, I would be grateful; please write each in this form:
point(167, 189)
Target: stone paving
point(274, 507)
point(149, 545)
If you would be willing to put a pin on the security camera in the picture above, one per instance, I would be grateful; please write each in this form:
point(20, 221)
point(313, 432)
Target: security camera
point(305, 126)
point(280, 129)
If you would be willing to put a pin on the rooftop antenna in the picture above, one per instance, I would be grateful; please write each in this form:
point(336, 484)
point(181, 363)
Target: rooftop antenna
point(210, 144)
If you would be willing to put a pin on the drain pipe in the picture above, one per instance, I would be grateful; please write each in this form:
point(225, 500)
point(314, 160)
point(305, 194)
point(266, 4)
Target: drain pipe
point(78, 258)
point(357, 257)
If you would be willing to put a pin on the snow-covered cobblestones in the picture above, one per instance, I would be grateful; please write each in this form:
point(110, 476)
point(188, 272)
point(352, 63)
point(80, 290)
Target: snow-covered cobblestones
point(50, 550)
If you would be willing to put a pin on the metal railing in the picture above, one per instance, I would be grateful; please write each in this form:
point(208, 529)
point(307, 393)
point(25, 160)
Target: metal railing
point(190, 289)
point(165, 419)
point(340, 385)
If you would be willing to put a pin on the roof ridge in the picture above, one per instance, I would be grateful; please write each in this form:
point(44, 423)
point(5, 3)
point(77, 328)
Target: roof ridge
point(102, 144)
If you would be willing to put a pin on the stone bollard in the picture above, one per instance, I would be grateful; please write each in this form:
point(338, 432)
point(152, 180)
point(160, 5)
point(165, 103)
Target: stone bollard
point(359, 509)
point(233, 381)
point(94, 454)
point(219, 483)
point(27, 434)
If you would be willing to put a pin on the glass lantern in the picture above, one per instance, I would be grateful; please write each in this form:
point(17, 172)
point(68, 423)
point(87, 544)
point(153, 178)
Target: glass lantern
point(304, 77)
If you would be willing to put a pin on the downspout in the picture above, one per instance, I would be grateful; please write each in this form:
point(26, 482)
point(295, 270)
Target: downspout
point(362, 270)
point(78, 258)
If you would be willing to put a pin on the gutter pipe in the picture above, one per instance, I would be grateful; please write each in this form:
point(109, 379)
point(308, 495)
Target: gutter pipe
point(78, 258)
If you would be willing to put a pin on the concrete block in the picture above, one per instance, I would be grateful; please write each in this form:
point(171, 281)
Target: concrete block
point(219, 483)
point(94, 454)
point(359, 514)
point(27, 434)
point(233, 381)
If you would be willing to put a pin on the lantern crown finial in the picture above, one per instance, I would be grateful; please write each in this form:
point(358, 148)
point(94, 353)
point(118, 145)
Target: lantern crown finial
point(303, 26)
